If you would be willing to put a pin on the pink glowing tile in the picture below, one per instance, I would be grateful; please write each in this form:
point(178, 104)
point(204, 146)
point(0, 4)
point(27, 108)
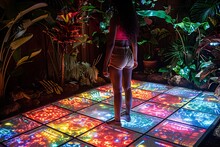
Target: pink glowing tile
point(135, 102)
point(171, 100)
point(143, 94)
point(178, 133)
point(155, 109)
point(99, 111)
point(74, 124)
point(136, 83)
point(76, 143)
point(96, 95)
point(16, 125)
point(106, 88)
point(47, 113)
point(183, 92)
point(41, 136)
point(155, 87)
point(147, 141)
point(75, 103)
point(105, 135)
point(208, 97)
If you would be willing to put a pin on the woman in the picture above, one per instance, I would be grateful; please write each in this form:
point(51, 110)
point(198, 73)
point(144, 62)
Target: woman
point(121, 55)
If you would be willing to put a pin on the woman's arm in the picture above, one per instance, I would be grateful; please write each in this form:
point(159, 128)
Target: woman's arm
point(135, 51)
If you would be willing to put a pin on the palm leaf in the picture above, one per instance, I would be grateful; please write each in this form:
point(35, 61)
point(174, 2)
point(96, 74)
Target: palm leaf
point(17, 43)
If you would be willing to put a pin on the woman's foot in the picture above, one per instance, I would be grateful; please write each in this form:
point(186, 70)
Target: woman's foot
point(126, 117)
point(114, 123)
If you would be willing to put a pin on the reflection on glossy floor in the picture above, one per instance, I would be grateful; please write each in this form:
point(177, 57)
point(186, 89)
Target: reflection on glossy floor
point(161, 116)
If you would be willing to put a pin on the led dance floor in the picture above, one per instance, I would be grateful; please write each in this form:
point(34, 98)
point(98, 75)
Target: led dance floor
point(162, 116)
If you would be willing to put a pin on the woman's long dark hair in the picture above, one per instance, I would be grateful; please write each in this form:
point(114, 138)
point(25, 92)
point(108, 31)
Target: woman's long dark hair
point(127, 16)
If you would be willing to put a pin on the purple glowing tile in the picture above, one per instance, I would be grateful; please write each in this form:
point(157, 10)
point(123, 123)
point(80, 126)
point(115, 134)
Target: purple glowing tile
point(155, 87)
point(177, 133)
point(171, 100)
point(42, 136)
point(47, 113)
point(203, 106)
point(74, 103)
point(99, 111)
point(16, 125)
point(155, 109)
point(136, 83)
point(105, 135)
point(74, 124)
point(208, 97)
point(106, 88)
point(76, 143)
point(183, 92)
point(147, 141)
point(143, 94)
point(135, 102)
point(96, 95)
point(195, 118)
point(141, 122)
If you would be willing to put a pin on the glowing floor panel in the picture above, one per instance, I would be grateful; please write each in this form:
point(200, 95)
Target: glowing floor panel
point(183, 92)
point(76, 143)
point(208, 97)
point(154, 87)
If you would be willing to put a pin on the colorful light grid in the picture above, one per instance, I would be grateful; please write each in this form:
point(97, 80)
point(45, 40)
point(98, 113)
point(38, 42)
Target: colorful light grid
point(41, 136)
point(171, 100)
point(135, 102)
point(178, 133)
point(154, 87)
point(105, 135)
point(96, 95)
point(106, 88)
point(199, 119)
point(76, 143)
point(203, 106)
point(99, 111)
point(154, 109)
point(136, 83)
point(147, 141)
point(143, 94)
point(16, 125)
point(183, 92)
point(74, 103)
point(47, 113)
point(208, 97)
point(141, 122)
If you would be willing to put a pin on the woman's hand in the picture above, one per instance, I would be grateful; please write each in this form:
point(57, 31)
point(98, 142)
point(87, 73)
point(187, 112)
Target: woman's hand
point(105, 72)
point(135, 64)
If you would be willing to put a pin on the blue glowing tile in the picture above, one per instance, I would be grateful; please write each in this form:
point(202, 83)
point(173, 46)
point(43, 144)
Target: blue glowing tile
point(99, 111)
point(76, 143)
point(177, 133)
point(195, 118)
point(155, 87)
point(203, 106)
point(208, 97)
point(141, 122)
point(147, 141)
point(16, 125)
point(183, 92)
point(135, 101)
point(96, 95)
point(42, 136)
point(171, 100)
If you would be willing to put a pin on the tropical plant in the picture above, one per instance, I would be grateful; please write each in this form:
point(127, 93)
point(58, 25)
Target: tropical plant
point(15, 37)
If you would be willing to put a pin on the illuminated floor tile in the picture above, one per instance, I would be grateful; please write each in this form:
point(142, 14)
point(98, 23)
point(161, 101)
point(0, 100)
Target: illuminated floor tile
point(41, 136)
point(208, 97)
point(143, 94)
point(74, 103)
point(178, 133)
point(106, 88)
point(147, 141)
point(195, 118)
point(171, 100)
point(203, 106)
point(135, 102)
point(47, 113)
point(136, 83)
point(155, 109)
point(155, 87)
point(99, 111)
point(141, 122)
point(183, 92)
point(74, 124)
point(76, 143)
point(105, 135)
point(14, 126)
point(96, 95)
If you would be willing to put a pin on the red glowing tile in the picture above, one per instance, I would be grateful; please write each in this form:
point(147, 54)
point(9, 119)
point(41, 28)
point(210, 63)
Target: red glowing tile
point(105, 135)
point(178, 133)
point(155, 109)
point(143, 94)
point(76, 143)
point(47, 113)
point(106, 88)
point(136, 83)
point(74, 103)
point(74, 124)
